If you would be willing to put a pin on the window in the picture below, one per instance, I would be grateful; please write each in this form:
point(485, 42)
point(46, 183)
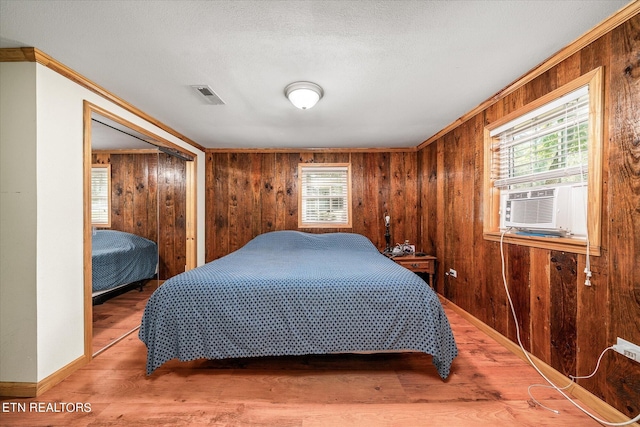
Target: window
point(324, 198)
point(101, 195)
point(545, 147)
point(543, 169)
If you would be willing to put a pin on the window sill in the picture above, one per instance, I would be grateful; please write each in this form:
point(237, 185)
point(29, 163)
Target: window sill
point(565, 244)
point(325, 225)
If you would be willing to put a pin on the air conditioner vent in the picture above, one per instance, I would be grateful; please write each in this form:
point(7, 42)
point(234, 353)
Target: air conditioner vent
point(533, 211)
point(208, 94)
point(556, 210)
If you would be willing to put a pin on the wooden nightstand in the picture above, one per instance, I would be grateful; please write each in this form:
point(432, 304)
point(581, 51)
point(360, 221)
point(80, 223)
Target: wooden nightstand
point(419, 264)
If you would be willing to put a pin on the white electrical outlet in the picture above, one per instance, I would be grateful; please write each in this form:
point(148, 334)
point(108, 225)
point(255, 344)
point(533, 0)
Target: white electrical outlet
point(628, 349)
point(453, 273)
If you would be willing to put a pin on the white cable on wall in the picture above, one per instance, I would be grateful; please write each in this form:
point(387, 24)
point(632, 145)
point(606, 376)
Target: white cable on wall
point(585, 211)
point(526, 354)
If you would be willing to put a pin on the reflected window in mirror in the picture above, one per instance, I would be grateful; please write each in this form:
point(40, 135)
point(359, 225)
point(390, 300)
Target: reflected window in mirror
point(101, 195)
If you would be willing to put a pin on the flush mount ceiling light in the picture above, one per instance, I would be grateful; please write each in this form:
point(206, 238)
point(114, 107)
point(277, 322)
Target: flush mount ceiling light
point(303, 95)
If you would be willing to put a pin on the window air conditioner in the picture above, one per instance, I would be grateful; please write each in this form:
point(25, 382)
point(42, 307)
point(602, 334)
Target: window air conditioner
point(552, 211)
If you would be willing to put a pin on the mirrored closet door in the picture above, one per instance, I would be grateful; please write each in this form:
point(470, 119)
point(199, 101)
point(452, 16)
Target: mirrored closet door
point(139, 234)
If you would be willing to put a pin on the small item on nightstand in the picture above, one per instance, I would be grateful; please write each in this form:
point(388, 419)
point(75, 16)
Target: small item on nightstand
point(403, 249)
point(420, 254)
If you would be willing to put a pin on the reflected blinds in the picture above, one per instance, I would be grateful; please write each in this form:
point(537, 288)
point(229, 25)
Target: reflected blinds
point(100, 191)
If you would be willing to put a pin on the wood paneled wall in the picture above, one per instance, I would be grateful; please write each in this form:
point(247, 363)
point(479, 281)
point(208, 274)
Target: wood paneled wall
point(250, 193)
point(562, 321)
point(148, 198)
point(172, 213)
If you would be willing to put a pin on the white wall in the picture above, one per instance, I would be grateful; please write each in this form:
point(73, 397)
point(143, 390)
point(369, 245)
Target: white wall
point(18, 361)
point(57, 170)
point(60, 221)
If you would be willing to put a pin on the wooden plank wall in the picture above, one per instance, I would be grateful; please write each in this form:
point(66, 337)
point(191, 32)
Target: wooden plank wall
point(148, 198)
point(172, 213)
point(562, 321)
point(250, 193)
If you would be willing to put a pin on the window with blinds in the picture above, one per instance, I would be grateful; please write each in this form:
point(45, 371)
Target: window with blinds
point(101, 195)
point(324, 195)
point(547, 146)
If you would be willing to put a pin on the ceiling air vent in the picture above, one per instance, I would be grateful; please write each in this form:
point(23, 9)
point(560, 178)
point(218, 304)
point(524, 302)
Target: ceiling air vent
point(208, 94)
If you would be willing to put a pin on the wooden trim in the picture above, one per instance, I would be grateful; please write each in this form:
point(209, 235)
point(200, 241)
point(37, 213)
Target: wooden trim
point(87, 230)
point(191, 216)
point(608, 412)
point(490, 207)
point(31, 54)
point(312, 150)
point(620, 17)
point(18, 54)
point(27, 389)
point(592, 78)
point(596, 153)
point(575, 246)
point(61, 374)
point(11, 389)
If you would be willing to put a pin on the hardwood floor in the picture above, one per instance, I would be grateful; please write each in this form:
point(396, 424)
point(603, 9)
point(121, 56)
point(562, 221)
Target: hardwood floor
point(119, 315)
point(487, 387)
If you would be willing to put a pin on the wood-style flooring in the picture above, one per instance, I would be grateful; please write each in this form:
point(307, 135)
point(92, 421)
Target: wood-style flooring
point(118, 316)
point(487, 387)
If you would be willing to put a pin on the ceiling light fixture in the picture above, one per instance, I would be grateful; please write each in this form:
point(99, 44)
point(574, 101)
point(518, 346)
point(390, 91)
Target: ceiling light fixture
point(303, 95)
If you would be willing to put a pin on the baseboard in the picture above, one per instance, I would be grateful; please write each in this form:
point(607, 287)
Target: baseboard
point(25, 389)
point(9, 389)
point(596, 404)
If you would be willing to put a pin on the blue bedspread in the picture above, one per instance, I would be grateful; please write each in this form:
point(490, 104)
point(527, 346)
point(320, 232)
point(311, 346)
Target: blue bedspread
point(119, 258)
point(294, 293)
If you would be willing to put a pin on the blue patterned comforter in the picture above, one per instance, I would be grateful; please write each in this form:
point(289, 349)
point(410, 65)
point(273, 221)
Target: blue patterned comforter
point(119, 258)
point(294, 293)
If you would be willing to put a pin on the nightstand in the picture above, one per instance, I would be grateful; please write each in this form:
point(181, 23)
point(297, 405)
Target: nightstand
point(419, 264)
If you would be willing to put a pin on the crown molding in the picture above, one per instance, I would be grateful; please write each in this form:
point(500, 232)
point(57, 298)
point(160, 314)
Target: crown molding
point(32, 54)
point(606, 26)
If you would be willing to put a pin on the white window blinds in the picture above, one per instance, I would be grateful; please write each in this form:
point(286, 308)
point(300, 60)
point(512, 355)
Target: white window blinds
point(100, 195)
point(546, 146)
point(324, 194)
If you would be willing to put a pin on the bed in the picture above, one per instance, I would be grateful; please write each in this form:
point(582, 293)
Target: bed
point(295, 293)
point(120, 262)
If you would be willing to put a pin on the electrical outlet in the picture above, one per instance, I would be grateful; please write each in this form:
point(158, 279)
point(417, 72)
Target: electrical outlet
point(627, 349)
point(453, 273)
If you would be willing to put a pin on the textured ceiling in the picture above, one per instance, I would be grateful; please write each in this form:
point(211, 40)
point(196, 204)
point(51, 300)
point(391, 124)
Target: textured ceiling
point(394, 72)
